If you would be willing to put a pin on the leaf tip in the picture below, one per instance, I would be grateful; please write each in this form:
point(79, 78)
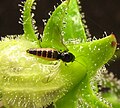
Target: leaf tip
point(114, 42)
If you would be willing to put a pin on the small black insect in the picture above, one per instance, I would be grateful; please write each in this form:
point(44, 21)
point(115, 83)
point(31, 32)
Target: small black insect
point(52, 54)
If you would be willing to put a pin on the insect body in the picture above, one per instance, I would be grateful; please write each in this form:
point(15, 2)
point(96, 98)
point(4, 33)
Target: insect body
point(52, 54)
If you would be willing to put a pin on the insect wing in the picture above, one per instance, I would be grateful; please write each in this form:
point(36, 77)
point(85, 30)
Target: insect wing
point(50, 72)
point(53, 39)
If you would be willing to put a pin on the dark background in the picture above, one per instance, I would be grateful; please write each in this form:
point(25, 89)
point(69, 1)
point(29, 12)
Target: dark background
point(100, 15)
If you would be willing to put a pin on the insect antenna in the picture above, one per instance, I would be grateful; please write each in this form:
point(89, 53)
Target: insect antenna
point(80, 62)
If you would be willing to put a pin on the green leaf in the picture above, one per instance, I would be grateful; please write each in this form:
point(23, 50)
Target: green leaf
point(91, 56)
point(74, 28)
point(28, 26)
point(52, 37)
point(64, 24)
point(113, 98)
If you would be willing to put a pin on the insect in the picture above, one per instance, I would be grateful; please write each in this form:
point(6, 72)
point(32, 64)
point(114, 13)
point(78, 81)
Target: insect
point(52, 54)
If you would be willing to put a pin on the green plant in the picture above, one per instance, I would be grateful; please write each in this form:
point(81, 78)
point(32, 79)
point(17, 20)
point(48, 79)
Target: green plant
point(32, 82)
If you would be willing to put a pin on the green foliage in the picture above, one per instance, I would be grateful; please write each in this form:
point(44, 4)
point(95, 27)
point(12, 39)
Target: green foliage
point(27, 81)
point(28, 22)
point(64, 24)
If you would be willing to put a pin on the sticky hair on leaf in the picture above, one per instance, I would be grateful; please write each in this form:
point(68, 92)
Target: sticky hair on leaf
point(44, 21)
